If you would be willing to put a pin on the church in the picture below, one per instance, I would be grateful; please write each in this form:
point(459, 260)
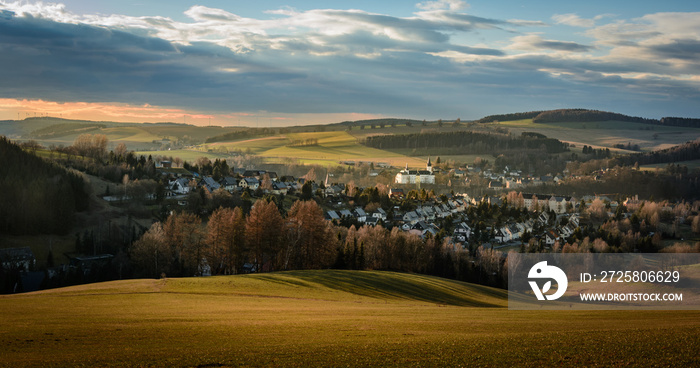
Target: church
point(407, 176)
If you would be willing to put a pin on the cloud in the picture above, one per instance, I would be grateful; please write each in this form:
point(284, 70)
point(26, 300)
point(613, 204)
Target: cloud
point(574, 20)
point(436, 61)
point(536, 43)
point(443, 5)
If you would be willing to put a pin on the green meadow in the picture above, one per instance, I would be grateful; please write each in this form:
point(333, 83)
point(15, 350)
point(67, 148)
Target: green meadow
point(326, 318)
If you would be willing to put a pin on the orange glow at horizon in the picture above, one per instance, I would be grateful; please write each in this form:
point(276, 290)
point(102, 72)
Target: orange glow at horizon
point(16, 109)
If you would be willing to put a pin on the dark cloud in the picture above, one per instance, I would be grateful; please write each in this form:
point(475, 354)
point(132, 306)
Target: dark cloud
point(388, 66)
point(678, 49)
point(563, 46)
point(66, 62)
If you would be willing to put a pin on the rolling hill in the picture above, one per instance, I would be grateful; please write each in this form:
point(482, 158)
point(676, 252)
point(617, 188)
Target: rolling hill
point(342, 141)
point(325, 318)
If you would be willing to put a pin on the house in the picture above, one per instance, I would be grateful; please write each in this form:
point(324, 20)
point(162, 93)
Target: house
point(566, 231)
point(334, 190)
point(515, 230)
point(501, 236)
point(428, 213)
point(346, 214)
point(229, 183)
point(88, 263)
point(252, 174)
point(380, 214)
point(332, 215)
point(420, 225)
point(495, 184)
point(372, 221)
point(411, 217)
point(360, 214)
point(396, 193)
point(432, 230)
point(462, 232)
point(440, 212)
point(574, 220)
point(209, 184)
point(249, 183)
point(558, 204)
point(21, 259)
point(279, 187)
point(179, 186)
point(550, 238)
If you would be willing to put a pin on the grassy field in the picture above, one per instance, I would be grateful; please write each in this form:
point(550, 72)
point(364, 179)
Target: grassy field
point(325, 318)
point(607, 133)
point(331, 148)
point(185, 154)
point(692, 165)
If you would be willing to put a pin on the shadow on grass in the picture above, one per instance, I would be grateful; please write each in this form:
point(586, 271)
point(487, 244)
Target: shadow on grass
point(393, 285)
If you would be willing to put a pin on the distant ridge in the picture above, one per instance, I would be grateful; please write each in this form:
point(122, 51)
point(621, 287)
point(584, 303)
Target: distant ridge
point(387, 121)
point(585, 115)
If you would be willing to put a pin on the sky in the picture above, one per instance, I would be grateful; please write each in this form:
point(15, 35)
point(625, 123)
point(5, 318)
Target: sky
point(278, 63)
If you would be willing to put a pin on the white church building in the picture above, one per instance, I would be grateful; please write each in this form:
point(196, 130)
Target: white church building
point(407, 176)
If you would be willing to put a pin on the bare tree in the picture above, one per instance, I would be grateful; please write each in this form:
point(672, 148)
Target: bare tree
point(150, 254)
point(263, 233)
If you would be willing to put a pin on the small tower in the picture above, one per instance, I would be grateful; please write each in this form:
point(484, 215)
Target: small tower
point(429, 166)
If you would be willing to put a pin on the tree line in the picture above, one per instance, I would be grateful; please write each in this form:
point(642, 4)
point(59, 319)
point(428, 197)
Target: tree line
point(37, 196)
point(509, 117)
point(264, 240)
point(684, 152)
point(240, 134)
point(585, 115)
point(466, 142)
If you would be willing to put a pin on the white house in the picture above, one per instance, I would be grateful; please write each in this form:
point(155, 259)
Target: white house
point(380, 214)
point(251, 183)
point(179, 186)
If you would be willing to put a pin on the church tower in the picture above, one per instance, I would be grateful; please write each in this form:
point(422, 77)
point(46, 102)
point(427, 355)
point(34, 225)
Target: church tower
point(429, 166)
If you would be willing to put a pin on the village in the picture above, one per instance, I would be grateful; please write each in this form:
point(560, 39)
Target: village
point(550, 219)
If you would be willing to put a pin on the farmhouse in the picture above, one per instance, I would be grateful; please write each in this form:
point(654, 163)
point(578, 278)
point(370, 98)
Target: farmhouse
point(251, 183)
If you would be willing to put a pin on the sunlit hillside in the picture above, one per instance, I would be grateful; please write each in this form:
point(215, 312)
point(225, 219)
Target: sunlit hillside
point(325, 318)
